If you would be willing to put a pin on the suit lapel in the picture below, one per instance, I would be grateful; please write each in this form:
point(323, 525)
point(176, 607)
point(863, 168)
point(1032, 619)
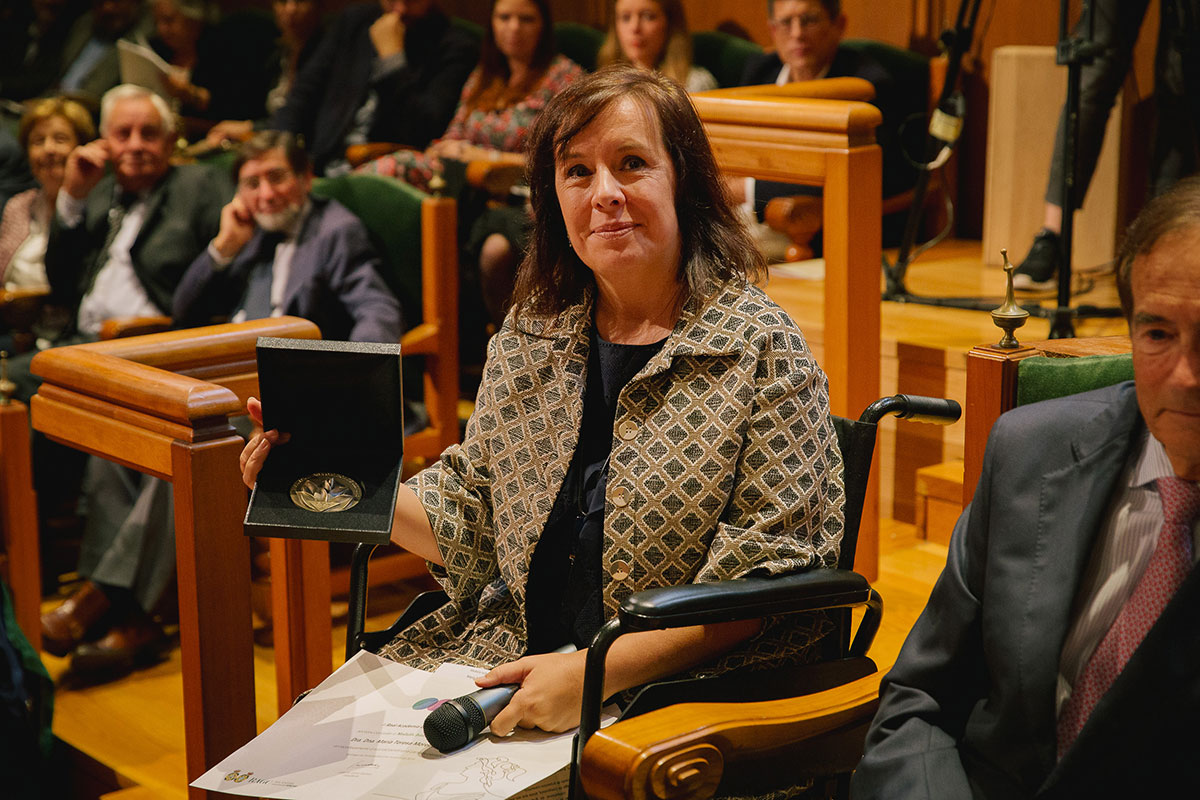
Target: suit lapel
point(1071, 506)
point(304, 261)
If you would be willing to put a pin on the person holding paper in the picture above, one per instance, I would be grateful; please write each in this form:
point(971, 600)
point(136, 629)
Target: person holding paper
point(647, 417)
point(215, 67)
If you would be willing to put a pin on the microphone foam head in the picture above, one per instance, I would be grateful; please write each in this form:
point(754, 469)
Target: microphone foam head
point(452, 724)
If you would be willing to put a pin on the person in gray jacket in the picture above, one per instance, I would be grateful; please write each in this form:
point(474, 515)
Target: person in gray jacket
point(1058, 654)
point(281, 250)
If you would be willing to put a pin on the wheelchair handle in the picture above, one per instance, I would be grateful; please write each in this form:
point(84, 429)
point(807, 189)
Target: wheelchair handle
point(918, 408)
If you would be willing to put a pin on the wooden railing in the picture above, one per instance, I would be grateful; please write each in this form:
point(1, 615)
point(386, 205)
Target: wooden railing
point(831, 144)
point(161, 404)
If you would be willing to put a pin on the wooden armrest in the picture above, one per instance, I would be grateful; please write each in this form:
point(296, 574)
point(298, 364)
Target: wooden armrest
point(19, 308)
point(197, 347)
point(359, 154)
point(37, 293)
point(121, 327)
point(828, 88)
point(679, 748)
point(495, 177)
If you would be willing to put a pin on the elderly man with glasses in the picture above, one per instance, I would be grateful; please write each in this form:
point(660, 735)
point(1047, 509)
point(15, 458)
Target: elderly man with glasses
point(280, 250)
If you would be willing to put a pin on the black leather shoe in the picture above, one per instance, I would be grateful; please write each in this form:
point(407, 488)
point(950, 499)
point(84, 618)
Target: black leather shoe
point(135, 641)
point(1039, 270)
point(69, 624)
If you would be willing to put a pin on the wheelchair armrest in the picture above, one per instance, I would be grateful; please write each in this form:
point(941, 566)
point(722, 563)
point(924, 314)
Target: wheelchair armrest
point(745, 598)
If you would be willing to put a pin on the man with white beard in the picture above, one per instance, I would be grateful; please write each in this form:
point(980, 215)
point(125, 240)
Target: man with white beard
point(280, 250)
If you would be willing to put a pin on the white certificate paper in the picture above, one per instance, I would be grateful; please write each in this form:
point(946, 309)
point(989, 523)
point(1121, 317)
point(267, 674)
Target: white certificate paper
point(359, 735)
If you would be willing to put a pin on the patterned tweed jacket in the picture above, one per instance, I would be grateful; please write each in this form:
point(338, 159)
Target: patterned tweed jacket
point(724, 463)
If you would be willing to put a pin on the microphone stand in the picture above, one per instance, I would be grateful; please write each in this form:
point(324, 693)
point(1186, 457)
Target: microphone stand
point(1071, 51)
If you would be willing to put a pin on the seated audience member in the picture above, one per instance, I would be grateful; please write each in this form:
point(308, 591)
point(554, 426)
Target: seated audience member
point(807, 36)
point(219, 71)
point(281, 251)
point(517, 75)
point(48, 132)
point(300, 32)
point(386, 71)
point(620, 336)
point(90, 65)
point(32, 37)
point(119, 244)
point(15, 176)
point(653, 34)
point(1057, 656)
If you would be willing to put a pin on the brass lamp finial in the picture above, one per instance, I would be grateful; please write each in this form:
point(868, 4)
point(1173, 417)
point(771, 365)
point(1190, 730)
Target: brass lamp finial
point(1009, 316)
point(437, 184)
point(7, 387)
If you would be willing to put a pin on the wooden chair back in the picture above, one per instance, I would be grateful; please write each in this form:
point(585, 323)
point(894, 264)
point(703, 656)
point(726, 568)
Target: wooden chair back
point(762, 133)
point(993, 386)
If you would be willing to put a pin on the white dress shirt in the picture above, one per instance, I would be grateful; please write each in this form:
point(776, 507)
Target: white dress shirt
point(117, 291)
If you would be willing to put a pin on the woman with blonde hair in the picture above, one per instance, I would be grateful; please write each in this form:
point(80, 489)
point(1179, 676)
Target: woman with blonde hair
point(48, 131)
point(653, 34)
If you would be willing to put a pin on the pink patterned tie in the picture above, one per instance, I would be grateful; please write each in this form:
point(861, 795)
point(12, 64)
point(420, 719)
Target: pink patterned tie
point(1169, 565)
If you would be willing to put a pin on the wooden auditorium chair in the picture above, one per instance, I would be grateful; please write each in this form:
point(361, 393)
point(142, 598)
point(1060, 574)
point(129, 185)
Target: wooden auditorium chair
point(916, 76)
point(999, 379)
point(688, 753)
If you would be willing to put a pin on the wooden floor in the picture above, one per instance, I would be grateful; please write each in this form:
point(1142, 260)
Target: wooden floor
point(134, 727)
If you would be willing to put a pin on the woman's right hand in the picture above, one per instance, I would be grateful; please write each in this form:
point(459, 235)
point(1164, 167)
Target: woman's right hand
point(254, 454)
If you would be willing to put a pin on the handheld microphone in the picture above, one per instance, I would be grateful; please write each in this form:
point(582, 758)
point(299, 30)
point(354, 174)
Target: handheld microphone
point(456, 722)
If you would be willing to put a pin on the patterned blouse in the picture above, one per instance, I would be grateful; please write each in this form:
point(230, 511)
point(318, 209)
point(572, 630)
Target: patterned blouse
point(724, 463)
point(503, 130)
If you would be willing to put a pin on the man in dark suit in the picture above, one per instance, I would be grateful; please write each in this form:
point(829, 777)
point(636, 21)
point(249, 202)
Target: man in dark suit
point(1058, 655)
point(807, 35)
point(119, 243)
point(386, 71)
point(281, 251)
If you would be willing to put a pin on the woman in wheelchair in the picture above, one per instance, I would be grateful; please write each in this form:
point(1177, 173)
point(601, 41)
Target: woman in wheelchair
point(647, 417)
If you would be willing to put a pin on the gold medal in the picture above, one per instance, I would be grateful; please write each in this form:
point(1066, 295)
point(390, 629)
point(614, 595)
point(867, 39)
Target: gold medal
point(326, 491)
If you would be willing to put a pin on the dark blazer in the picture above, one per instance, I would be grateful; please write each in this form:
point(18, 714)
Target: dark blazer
point(968, 708)
point(333, 281)
point(895, 103)
point(416, 102)
point(182, 216)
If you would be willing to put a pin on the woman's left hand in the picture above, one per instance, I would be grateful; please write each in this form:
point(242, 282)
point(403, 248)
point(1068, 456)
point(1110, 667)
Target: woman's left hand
point(550, 696)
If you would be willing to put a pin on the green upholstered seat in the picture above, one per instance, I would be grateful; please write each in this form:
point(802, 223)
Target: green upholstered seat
point(723, 54)
point(391, 212)
point(1045, 377)
point(578, 42)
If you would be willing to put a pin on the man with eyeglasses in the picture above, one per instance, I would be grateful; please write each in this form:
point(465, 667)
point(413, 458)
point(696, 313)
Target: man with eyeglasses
point(807, 36)
point(280, 250)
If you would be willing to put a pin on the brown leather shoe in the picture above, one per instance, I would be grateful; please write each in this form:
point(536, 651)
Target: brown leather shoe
point(134, 641)
point(66, 626)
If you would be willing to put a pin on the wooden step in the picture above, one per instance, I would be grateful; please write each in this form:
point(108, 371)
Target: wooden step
point(939, 500)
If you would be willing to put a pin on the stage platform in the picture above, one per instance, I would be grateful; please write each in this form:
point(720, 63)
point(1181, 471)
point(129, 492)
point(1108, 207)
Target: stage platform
point(128, 735)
